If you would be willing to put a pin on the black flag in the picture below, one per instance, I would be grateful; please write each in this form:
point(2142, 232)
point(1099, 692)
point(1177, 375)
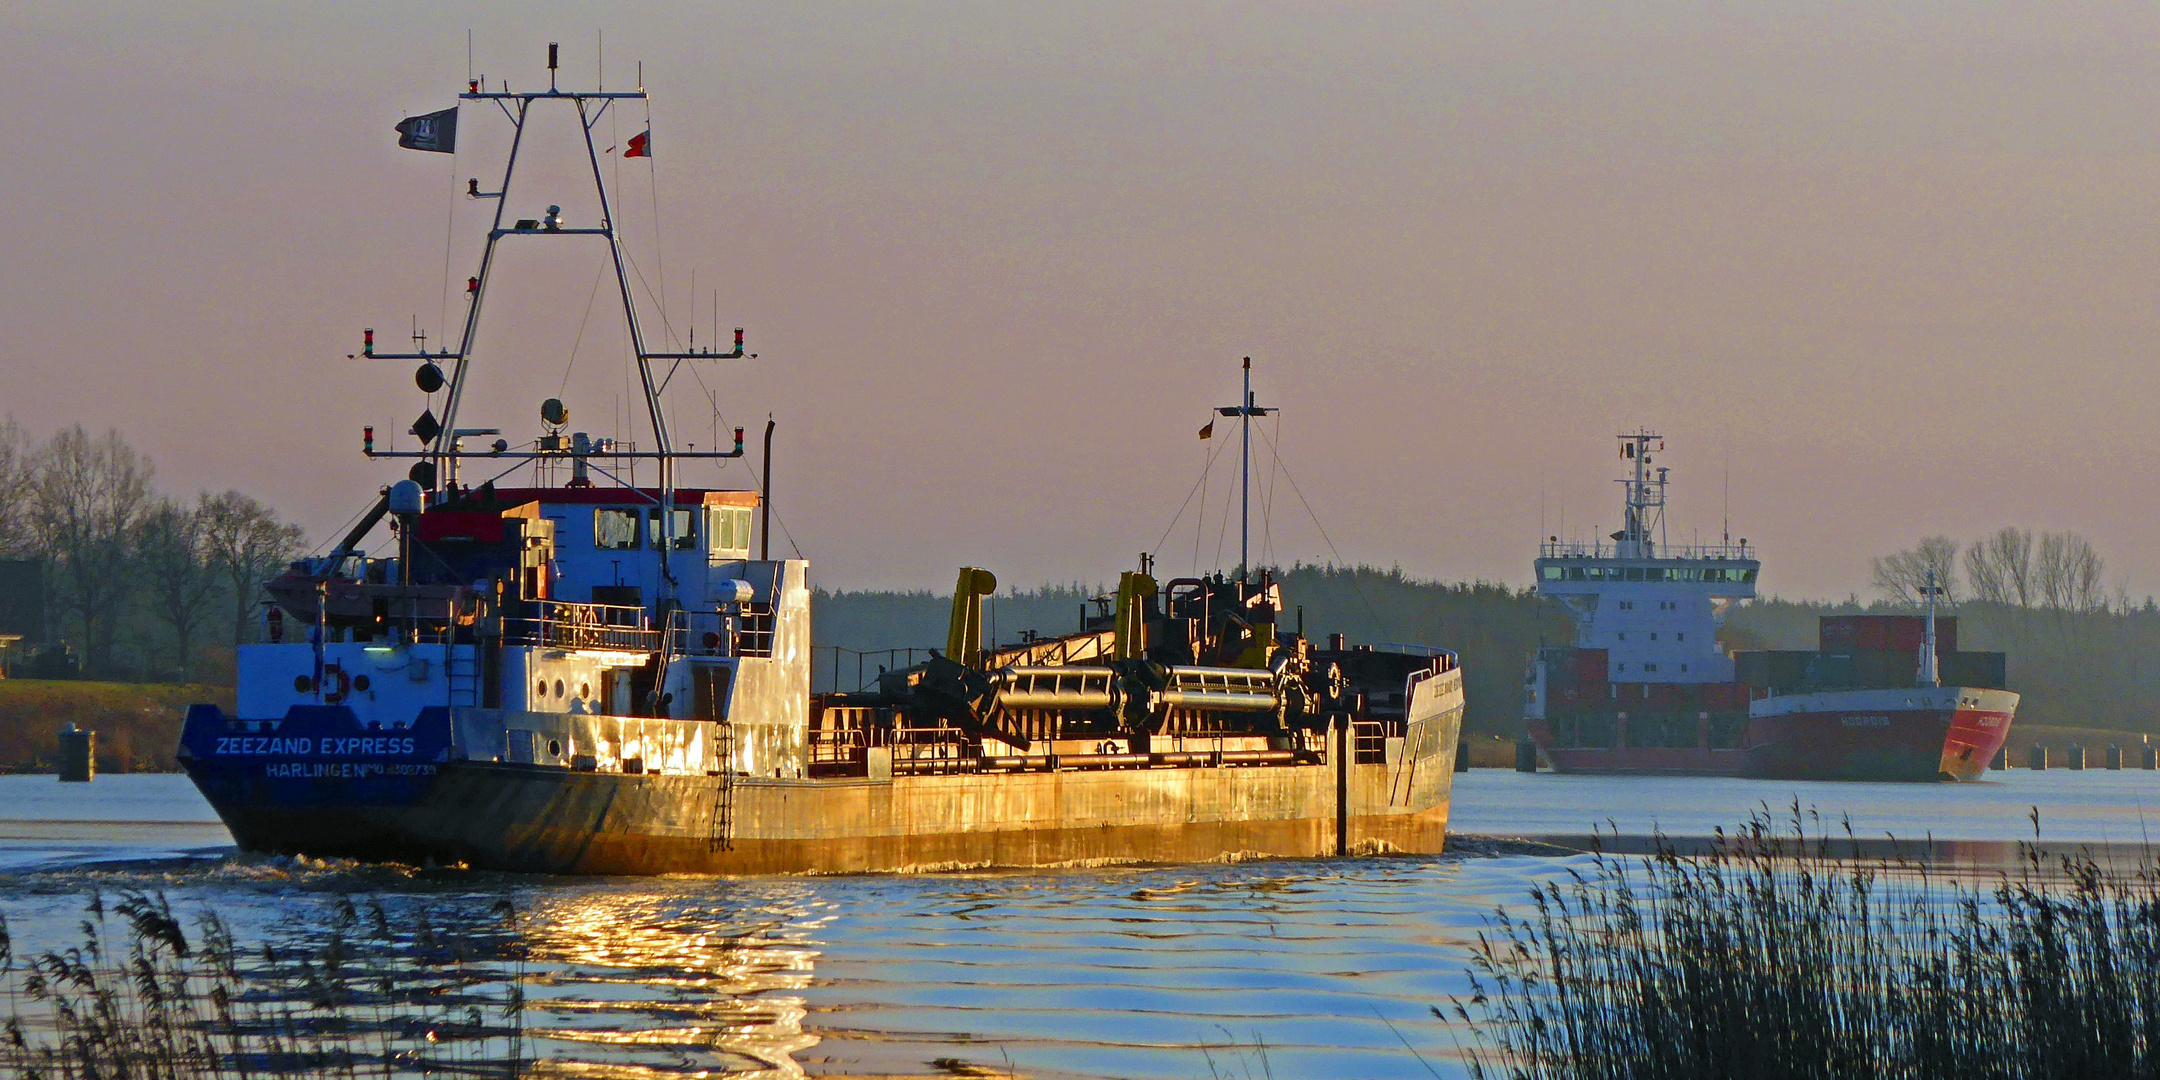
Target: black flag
point(436, 131)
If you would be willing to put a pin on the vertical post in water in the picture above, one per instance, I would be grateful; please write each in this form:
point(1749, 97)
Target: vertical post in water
point(78, 755)
point(1341, 753)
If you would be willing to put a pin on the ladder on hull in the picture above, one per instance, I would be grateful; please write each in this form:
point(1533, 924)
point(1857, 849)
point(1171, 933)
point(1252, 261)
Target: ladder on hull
point(462, 673)
point(720, 829)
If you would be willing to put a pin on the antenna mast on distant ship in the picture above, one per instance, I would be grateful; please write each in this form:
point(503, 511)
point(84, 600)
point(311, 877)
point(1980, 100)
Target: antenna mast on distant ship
point(1645, 498)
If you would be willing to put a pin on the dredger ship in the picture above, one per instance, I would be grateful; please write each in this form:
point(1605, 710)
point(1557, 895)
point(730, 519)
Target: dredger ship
point(569, 672)
point(1646, 688)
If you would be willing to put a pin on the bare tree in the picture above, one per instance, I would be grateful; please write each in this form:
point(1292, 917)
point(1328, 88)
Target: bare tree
point(2067, 574)
point(180, 581)
point(1902, 576)
point(246, 543)
point(1998, 567)
point(18, 479)
point(90, 496)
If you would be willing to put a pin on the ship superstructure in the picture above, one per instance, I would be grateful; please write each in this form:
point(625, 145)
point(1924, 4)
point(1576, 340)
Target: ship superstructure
point(559, 669)
point(1647, 687)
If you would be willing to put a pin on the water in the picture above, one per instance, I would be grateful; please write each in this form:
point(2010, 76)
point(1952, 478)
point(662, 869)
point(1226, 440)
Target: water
point(1301, 968)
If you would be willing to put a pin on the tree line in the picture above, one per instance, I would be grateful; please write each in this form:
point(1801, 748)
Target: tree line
point(2052, 571)
point(137, 582)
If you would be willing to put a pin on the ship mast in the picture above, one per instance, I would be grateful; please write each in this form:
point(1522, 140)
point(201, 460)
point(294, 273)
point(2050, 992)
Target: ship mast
point(1645, 498)
point(1245, 411)
point(1930, 673)
point(438, 462)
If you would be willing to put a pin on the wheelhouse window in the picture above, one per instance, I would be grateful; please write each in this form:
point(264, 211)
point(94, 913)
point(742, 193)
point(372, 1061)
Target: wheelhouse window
point(682, 525)
point(615, 529)
point(728, 529)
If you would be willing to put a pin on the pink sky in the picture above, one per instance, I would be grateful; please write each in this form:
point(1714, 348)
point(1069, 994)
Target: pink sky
point(1898, 262)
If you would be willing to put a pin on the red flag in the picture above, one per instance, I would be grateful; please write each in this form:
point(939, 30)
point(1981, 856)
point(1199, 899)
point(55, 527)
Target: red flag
point(640, 144)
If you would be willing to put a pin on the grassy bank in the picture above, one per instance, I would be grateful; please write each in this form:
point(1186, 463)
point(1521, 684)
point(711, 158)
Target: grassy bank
point(138, 724)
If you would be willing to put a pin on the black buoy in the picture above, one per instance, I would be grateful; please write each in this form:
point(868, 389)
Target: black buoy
point(2114, 756)
point(2001, 760)
point(2074, 758)
point(1462, 756)
point(2036, 758)
point(2151, 755)
point(78, 755)
point(1526, 755)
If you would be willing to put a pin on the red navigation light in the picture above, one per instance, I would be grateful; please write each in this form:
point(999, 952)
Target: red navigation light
point(738, 339)
point(472, 285)
point(473, 85)
point(367, 439)
point(738, 440)
point(367, 341)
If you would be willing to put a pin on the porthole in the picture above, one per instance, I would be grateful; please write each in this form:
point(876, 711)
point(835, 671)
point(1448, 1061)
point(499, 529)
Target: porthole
point(554, 748)
point(302, 684)
point(559, 689)
point(361, 683)
point(584, 691)
point(540, 689)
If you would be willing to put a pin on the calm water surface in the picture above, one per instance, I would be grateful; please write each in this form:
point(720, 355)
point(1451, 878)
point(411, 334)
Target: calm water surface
point(1321, 968)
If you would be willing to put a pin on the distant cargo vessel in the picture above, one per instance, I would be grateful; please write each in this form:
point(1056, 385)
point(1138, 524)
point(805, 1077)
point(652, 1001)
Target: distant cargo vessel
point(560, 669)
point(1647, 688)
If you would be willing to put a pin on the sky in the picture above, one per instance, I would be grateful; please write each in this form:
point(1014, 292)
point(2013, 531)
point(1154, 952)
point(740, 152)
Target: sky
point(1874, 270)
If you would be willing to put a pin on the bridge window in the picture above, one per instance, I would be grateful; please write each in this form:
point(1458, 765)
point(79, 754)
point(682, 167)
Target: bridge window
point(728, 529)
point(615, 529)
point(1553, 573)
point(682, 524)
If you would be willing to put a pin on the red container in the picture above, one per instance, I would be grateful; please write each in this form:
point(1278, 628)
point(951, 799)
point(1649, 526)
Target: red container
point(1849, 633)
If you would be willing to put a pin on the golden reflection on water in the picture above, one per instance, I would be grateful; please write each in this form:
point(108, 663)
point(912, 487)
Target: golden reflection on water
point(634, 985)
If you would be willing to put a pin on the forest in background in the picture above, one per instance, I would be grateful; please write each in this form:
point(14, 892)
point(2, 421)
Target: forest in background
point(145, 585)
point(1492, 627)
point(138, 584)
point(2082, 655)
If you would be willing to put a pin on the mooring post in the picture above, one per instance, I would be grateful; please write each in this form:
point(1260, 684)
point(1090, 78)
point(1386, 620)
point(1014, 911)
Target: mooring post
point(1341, 752)
point(1526, 755)
point(78, 755)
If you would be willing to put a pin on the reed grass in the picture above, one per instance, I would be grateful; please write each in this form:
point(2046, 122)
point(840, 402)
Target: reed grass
point(139, 997)
point(1776, 956)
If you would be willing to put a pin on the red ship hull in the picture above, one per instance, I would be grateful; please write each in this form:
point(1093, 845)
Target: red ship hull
point(1898, 735)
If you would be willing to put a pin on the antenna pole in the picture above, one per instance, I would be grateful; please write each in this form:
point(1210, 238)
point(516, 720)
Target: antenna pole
point(1244, 546)
point(765, 496)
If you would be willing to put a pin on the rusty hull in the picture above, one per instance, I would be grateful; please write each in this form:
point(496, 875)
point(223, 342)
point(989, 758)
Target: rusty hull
point(541, 820)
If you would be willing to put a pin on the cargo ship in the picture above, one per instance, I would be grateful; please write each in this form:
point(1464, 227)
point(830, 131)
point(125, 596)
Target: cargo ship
point(1648, 688)
point(559, 669)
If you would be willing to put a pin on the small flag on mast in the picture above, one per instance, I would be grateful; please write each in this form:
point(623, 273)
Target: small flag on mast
point(435, 132)
point(640, 144)
point(1208, 432)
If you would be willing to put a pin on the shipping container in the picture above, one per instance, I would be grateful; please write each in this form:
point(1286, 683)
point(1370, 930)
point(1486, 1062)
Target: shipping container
point(1845, 633)
point(1984, 670)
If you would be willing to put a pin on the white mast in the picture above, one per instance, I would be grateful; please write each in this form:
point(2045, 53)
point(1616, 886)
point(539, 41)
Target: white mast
point(1929, 674)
